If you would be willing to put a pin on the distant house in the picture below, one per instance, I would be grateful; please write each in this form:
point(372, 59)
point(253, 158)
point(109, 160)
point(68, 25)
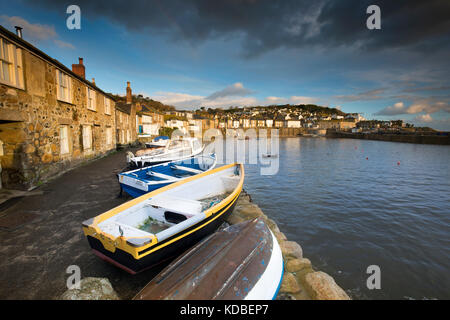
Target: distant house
point(260, 122)
point(294, 123)
point(269, 123)
point(246, 123)
point(195, 126)
point(148, 120)
point(179, 124)
point(279, 122)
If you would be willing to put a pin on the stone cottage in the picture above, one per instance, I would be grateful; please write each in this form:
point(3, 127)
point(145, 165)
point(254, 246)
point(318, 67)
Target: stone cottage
point(51, 117)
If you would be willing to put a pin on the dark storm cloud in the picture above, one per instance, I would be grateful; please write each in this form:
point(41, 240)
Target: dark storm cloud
point(269, 24)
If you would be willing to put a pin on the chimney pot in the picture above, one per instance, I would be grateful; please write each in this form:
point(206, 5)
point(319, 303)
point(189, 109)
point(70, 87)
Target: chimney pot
point(79, 68)
point(93, 81)
point(129, 94)
point(18, 31)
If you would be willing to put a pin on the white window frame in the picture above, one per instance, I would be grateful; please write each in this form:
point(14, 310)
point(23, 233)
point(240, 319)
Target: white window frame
point(108, 136)
point(87, 137)
point(64, 139)
point(107, 103)
point(11, 61)
point(63, 86)
point(91, 100)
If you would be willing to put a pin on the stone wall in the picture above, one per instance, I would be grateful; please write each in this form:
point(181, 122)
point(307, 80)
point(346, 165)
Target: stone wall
point(30, 122)
point(407, 138)
point(300, 280)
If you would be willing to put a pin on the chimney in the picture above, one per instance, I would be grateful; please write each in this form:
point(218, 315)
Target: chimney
point(79, 68)
point(18, 31)
point(129, 96)
point(93, 81)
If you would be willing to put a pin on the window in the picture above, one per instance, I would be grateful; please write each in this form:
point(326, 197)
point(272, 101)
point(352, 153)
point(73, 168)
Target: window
point(11, 70)
point(108, 136)
point(63, 87)
point(64, 139)
point(146, 119)
point(87, 137)
point(90, 96)
point(107, 106)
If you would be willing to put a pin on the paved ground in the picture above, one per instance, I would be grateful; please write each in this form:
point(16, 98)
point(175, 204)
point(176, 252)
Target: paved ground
point(34, 255)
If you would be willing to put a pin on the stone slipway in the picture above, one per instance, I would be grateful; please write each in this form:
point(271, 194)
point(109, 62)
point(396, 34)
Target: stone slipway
point(300, 280)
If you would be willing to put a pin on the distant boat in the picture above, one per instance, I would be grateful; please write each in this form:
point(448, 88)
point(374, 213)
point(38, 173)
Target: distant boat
point(140, 181)
point(269, 155)
point(241, 262)
point(158, 142)
point(162, 224)
point(176, 149)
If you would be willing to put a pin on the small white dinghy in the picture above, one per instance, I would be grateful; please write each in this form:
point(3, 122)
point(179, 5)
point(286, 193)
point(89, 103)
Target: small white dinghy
point(164, 223)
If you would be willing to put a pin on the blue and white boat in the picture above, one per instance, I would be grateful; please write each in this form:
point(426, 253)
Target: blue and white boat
point(143, 180)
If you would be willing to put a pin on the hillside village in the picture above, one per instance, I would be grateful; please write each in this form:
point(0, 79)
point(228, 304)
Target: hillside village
point(309, 116)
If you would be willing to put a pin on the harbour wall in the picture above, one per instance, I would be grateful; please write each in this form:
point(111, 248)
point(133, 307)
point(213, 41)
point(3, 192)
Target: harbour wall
point(300, 280)
point(408, 138)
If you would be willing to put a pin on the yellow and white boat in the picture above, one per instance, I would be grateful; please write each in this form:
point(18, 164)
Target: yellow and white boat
point(164, 223)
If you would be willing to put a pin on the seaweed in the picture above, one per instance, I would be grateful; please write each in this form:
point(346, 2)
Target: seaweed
point(152, 225)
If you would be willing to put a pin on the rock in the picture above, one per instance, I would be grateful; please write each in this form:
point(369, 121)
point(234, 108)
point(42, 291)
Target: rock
point(272, 225)
point(321, 286)
point(295, 265)
point(29, 148)
point(46, 158)
point(11, 92)
point(280, 236)
point(291, 249)
point(285, 296)
point(234, 219)
point(248, 211)
point(289, 284)
point(92, 289)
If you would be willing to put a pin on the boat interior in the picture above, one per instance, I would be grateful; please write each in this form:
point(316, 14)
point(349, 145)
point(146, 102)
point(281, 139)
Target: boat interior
point(173, 210)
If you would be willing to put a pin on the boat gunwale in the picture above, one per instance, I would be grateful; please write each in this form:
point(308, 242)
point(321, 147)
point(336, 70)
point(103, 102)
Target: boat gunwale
point(111, 243)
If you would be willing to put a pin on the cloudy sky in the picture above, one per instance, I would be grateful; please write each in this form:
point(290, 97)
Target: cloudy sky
point(256, 52)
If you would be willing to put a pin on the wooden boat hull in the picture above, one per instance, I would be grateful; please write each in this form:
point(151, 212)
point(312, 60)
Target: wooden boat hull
point(243, 261)
point(117, 235)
